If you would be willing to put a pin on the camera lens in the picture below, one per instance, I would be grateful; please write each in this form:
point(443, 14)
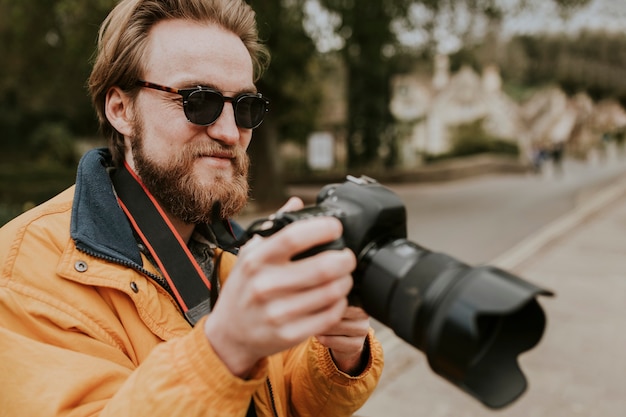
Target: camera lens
point(471, 322)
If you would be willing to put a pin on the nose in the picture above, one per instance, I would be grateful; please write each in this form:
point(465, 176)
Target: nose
point(225, 129)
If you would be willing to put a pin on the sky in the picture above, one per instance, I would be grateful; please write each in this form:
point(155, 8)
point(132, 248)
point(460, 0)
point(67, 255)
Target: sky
point(607, 15)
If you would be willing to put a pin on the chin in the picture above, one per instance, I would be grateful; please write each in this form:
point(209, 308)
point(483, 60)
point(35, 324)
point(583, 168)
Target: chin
point(209, 175)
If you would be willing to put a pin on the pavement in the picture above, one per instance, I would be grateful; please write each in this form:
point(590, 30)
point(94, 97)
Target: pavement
point(579, 366)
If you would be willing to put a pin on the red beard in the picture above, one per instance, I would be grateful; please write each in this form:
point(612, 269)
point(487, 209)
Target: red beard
point(176, 186)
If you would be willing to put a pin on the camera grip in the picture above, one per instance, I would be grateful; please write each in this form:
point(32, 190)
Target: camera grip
point(337, 244)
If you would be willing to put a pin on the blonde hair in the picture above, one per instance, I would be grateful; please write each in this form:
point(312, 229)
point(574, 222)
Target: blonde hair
point(122, 44)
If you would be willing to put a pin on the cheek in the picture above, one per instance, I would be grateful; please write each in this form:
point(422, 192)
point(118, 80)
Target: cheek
point(166, 133)
point(246, 138)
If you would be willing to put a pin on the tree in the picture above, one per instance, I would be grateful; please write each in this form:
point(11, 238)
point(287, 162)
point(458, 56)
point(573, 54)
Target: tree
point(370, 42)
point(291, 85)
point(589, 62)
point(46, 46)
point(368, 47)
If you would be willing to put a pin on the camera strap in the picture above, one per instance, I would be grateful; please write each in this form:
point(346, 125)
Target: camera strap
point(192, 290)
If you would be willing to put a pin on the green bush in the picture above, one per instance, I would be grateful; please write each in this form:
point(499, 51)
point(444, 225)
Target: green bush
point(53, 142)
point(24, 184)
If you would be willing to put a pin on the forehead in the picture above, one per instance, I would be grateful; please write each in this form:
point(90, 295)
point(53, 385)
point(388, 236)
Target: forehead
point(185, 53)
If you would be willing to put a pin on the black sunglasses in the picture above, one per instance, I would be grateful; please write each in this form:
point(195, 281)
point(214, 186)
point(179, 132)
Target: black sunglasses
point(203, 105)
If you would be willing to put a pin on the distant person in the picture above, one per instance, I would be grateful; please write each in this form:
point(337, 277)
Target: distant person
point(538, 157)
point(96, 319)
point(556, 153)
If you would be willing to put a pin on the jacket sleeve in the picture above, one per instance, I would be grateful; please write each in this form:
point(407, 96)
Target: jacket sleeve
point(180, 377)
point(316, 386)
point(186, 378)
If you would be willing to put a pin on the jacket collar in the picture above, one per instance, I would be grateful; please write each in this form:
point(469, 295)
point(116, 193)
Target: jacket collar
point(99, 226)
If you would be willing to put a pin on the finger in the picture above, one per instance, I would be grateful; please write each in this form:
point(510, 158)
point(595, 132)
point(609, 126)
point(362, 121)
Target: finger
point(297, 277)
point(255, 240)
point(298, 237)
point(355, 313)
point(349, 329)
point(271, 281)
point(342, 344)
point(314, 323)
point(309, 302)
point(325, 266)
point(293, 204)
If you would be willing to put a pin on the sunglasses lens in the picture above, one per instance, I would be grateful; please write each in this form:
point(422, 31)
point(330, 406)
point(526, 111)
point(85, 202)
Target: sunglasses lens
point(250, 111)
point(203, 107)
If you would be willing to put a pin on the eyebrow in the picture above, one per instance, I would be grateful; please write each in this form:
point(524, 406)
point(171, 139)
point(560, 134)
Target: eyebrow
point(195, 84)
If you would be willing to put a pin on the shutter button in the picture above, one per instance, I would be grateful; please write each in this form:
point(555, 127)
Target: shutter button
point(80, 266)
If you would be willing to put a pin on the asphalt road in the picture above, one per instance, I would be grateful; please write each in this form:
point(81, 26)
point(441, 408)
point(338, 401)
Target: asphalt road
point(477, 219)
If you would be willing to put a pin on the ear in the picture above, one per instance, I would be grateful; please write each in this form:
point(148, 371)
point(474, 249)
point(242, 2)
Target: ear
point(119, 111)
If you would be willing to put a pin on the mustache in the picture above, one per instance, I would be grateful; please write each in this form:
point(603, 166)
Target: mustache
point(214, 149)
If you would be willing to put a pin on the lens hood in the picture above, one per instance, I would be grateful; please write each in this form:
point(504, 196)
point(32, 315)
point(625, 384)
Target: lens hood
point(477, 330)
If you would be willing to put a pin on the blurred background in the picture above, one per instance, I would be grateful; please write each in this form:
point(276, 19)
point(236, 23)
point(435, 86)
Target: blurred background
point(500, 123)
point(378, 87)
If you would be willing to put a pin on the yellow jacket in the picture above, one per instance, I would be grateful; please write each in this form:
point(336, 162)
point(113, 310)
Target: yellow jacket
point(81, 335)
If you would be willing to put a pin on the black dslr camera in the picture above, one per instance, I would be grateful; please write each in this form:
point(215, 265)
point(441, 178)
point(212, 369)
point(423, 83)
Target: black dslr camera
point(471, 322)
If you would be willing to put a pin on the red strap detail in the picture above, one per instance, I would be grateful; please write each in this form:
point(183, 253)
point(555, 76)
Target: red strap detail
point(174, 232)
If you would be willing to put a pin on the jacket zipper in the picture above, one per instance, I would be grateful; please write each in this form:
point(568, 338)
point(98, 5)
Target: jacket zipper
point(159, 280)
point(272, 400)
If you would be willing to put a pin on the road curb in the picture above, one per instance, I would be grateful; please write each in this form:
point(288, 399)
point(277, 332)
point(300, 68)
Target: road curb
point(529, 247)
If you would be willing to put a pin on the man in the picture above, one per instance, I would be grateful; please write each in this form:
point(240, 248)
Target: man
point(94, 316)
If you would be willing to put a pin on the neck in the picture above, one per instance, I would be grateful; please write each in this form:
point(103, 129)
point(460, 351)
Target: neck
point(185, 230)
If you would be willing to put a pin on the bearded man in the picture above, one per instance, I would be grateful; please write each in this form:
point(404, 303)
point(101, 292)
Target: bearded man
point(117, 297)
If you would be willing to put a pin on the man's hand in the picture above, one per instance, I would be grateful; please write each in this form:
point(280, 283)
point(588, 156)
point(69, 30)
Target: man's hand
point(346, 340)
point(271, 303)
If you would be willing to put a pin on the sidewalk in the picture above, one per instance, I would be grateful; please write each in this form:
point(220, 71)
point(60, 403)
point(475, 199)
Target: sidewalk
point(579, 367)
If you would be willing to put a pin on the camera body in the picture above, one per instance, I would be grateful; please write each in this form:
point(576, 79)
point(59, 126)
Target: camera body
point(471, 322)
point(369, 213)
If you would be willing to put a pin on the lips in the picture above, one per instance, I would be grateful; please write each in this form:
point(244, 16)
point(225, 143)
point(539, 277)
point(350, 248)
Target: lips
point(220, 155)
point(218, 160)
